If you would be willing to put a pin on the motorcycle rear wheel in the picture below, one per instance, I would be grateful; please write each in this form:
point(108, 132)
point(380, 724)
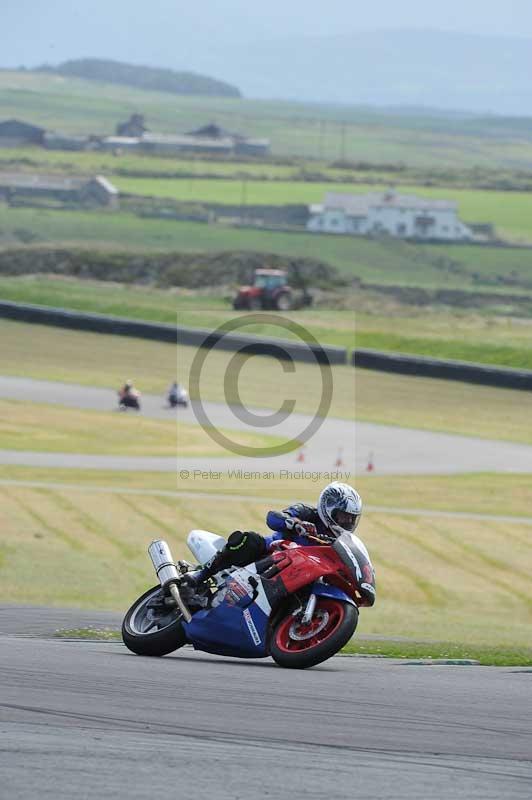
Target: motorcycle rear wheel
point(150, 634)
point(299, 646)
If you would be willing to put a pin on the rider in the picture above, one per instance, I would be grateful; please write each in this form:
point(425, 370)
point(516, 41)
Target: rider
point(127, 390)
point(338, 511)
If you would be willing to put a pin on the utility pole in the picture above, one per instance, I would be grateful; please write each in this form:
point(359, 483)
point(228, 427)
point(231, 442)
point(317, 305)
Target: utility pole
point(321, 136)
point(243, 199)
point(342, 145)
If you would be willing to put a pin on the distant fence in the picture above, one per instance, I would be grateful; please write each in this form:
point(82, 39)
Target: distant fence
point(269, 346)
point(422, 367)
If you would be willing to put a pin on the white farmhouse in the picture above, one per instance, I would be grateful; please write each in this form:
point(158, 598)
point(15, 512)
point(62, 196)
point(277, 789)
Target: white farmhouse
point(402, 216)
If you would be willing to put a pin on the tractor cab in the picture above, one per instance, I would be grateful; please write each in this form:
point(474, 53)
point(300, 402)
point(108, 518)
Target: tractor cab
point(270, 279)
point(269, 290)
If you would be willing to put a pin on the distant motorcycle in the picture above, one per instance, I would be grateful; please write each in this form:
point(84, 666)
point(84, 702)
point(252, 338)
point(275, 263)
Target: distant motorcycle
point(178, 396)
point(130, 399)
point(299, 605)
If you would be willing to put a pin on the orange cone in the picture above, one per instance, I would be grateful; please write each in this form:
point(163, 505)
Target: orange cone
point(339, 460)
point(301, 456)
point(371, 466)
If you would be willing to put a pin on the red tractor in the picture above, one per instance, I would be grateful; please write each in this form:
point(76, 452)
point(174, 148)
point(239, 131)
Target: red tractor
point(270, 290)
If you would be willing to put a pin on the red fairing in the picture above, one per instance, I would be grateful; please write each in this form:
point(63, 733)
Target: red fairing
point(300, 566)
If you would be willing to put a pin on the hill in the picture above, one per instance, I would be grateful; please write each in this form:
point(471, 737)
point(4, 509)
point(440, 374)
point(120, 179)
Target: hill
point(142, 77)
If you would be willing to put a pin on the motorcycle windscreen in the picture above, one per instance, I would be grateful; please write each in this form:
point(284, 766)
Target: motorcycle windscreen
point(354, 555)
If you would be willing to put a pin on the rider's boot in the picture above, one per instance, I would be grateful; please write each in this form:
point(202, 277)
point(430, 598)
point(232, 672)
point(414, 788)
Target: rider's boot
point(242, 548)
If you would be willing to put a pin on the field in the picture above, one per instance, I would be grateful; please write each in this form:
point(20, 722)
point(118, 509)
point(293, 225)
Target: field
point(452, 554)
point(438, 578)
point(464, 335)
point(509, 212)
point(54, 429)
point(465, 268)
point(295, 129)
point(99, 360)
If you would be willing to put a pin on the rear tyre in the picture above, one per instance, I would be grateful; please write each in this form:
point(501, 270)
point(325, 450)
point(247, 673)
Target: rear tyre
point(299, 646)
point(149, 631)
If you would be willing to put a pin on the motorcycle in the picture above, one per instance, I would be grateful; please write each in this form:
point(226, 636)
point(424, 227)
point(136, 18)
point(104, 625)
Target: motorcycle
point(178, 397)
point(129, 399)
point(299, 605)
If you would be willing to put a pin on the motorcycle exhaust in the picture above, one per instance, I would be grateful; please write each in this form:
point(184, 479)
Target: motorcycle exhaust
point(167, 572)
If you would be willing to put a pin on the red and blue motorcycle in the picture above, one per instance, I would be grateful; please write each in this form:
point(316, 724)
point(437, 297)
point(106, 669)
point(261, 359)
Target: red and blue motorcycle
point(299, 605)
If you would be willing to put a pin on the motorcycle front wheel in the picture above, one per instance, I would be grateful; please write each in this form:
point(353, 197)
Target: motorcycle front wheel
point(298, 646)
point(151, 630)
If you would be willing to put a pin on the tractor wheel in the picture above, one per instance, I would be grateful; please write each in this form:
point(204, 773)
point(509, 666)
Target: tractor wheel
point(283, 301)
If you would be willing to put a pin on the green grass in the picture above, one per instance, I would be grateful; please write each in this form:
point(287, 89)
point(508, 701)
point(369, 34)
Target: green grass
point(440, 333)
point(190, 170)
point(509, 212)
point(439, 580)
point(304, 130)
point(99, 634)
point(100, 360)
point(56, 429)
point(470, 268)
point(446, 651)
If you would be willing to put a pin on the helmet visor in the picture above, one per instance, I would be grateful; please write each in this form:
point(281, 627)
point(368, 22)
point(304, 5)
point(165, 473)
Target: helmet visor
point(345, 520)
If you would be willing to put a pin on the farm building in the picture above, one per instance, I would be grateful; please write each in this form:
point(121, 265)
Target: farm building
point(390, 214)
point(134, 126)
point(242, 145)
point(162, 143)
point(15, 133)
point(96, 191)
point(60, 141)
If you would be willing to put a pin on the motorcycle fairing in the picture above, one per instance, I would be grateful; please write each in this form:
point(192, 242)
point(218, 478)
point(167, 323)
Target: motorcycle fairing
point(237, 622)
point(326, 590)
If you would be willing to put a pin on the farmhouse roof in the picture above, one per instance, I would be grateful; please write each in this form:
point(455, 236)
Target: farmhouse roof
point(184, 140)
point(214, 131)
point(22, 180)
point(56, 183)
point(20, 125)
point(359, 205)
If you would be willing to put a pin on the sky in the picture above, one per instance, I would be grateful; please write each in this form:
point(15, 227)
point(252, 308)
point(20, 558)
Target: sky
point(168, 32)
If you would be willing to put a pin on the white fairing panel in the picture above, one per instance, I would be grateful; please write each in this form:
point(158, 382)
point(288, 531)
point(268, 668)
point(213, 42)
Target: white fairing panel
point(204, 545)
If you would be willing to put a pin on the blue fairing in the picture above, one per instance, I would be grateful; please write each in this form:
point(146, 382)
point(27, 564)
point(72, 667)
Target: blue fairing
point(230, 629)
point(325, 590)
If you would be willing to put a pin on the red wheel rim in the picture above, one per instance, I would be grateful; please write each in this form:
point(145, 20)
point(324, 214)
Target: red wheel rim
point(315, 633)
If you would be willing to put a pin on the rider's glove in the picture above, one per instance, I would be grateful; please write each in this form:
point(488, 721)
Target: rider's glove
point(299, 527)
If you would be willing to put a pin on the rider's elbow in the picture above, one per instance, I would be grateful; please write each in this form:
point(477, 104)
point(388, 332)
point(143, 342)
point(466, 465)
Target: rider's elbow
point(275, 520)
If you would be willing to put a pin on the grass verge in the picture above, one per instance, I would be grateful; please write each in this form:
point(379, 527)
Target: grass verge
point(100, 634)
point(57, 429)
point(449, 652)
point(446, 651)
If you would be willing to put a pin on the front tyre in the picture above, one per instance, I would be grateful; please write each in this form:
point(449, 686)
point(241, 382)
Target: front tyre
point(151, 629)
point(299, 646)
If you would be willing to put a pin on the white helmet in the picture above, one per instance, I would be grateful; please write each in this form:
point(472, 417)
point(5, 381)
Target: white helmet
point(339, 508)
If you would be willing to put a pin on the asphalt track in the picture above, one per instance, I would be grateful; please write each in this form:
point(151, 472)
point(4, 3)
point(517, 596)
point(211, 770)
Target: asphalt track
point(393, 450)
point(89, 720)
